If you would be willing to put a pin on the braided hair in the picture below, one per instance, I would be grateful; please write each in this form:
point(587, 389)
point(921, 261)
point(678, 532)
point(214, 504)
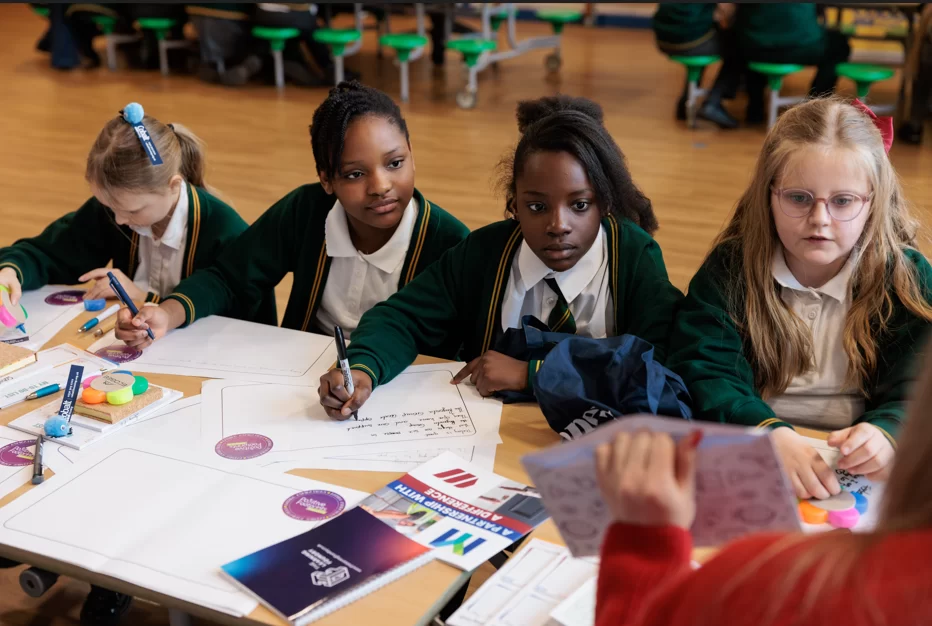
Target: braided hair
point(346, 102)
point(574, 125)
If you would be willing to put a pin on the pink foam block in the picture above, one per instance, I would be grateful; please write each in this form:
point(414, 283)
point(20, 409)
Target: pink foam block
point(844, 519)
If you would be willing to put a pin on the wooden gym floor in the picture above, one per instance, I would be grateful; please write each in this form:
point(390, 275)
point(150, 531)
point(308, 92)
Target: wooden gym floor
point(259, 149)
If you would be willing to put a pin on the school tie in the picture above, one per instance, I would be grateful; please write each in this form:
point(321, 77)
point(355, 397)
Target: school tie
point(561, 318)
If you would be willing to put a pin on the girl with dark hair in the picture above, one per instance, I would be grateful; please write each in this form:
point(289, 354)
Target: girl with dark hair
point(351, 240)
point(575, 251)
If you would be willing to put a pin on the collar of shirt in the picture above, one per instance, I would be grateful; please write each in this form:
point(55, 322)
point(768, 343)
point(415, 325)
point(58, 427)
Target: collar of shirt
point(836, 288)
point(389, 257)
point(173, 237)
point(572, 281)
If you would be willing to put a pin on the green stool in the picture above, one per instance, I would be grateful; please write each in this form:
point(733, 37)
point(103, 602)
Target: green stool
point(276, 38)
point(558, 19)
point(161, 26)
point(775, 73)
point(41, 11)
point(403, 45)
point(864, 75)
point(694, 67)
point(472, 50)
point(107, 25)
point(342, 42)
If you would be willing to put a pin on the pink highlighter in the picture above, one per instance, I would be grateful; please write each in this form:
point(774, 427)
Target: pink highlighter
point(11, 316)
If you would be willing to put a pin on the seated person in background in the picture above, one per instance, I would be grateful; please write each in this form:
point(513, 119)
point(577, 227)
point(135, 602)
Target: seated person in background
point(919, 71)
point(307, 62)
point(691, 29)
point(226, 47)
point(787, 32)
point(773, 579)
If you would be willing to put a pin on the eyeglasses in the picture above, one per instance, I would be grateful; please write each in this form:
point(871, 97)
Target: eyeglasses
point(843, 206)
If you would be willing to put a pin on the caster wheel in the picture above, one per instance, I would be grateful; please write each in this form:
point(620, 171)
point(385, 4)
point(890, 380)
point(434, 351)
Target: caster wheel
point(553, 62)
point(466, 99)
point(35, 582)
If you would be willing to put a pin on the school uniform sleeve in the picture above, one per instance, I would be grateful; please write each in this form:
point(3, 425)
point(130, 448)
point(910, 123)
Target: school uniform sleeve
point(249, 267)
point(899, 359)
point(68, 247)
point(421, 317)
point(650, 299)
point(706, 350)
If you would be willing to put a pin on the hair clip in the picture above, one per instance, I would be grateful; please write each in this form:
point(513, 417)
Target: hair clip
point(133, 114)
point(883, 124)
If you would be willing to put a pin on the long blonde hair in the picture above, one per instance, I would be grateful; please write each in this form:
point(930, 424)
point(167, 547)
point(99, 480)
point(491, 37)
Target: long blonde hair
point(780, 341)
point(830, 562)
point(118, 161)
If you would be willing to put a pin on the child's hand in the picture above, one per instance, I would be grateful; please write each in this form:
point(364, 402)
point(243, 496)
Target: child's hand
point(864, 450)
point(102, 288)
point(9, 280)
point(333, 396)
point(810, 474)
point(648, 480)
point(132, 330)
point(493, 371)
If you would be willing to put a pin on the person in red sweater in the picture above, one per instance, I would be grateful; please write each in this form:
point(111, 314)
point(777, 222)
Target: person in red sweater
point(879, 578)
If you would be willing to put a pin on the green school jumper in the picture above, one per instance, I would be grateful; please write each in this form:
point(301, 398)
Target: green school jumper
point(90, 238)
point(714, 358)
point(683, 26)
point(289, 237)
point(460, 297)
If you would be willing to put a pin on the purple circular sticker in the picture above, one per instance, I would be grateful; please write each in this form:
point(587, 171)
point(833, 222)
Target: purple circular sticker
point(119, 354)
point(65, 298)
point(17, 453)
point(314, 506)
point(243, 446)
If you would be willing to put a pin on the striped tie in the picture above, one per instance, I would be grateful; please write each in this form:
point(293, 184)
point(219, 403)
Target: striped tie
point(561, 318)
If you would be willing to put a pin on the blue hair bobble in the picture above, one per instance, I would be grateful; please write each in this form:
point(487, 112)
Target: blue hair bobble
point(133, 113)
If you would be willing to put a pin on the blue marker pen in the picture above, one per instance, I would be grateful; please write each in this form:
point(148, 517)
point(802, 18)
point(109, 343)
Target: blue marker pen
point(94, 321)
point(45, 391)
point(121, 294)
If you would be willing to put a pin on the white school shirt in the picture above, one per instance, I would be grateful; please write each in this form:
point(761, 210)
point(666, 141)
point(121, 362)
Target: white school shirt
point(161, 260)
point(819, 397)
point(357, 281)
point(585, 287)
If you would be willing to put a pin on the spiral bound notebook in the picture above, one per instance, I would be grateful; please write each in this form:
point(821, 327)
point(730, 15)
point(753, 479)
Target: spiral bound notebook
point(309, 576)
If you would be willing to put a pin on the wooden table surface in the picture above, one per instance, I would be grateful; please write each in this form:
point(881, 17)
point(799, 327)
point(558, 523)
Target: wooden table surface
point(413, 599)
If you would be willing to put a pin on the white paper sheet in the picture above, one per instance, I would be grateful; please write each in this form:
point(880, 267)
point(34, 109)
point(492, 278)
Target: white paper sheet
point(527, 588)
point(160, 519)
point(85, 430)
point(740, 484)
point(16, 450)
point(393, 461)
point(579, 608)
point(220, 347)
point(873, 491)
point(419, 409)
point(45, 320)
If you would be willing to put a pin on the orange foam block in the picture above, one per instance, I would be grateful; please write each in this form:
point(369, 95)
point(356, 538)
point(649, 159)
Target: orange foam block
point(812, 514)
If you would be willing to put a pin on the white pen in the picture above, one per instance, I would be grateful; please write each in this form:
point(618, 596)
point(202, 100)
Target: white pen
point(94, 321)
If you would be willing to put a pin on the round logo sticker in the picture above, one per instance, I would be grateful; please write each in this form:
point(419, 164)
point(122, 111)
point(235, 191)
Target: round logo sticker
point(65, 298)
point(314, 506)
point(17, 453)
point(119, 354)
point(244, 446)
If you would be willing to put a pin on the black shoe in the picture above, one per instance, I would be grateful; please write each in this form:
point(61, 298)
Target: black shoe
point(681, 109)
point(242, 73)
point(910, 132)
point(299, 74)
point(715, 113)
point(104, 608)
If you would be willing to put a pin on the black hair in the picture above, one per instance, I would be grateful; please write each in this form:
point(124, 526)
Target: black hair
point(574, 125)
point(346, 102)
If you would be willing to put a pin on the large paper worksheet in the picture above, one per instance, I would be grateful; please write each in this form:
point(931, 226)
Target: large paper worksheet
point(49, 309)
point(388, 461)
point(418, 410)
point(220, 347)
point(531, 586)
point(166, 520)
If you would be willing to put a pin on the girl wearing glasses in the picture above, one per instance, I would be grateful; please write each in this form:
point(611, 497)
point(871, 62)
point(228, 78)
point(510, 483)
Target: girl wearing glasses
point(810, 308)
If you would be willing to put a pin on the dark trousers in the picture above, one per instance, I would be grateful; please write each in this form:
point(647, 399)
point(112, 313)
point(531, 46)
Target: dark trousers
point(307, 23)
point(724, 44)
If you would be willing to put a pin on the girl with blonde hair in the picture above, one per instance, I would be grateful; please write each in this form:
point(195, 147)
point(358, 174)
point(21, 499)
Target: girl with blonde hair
point(645, 578)
point(810, 307)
